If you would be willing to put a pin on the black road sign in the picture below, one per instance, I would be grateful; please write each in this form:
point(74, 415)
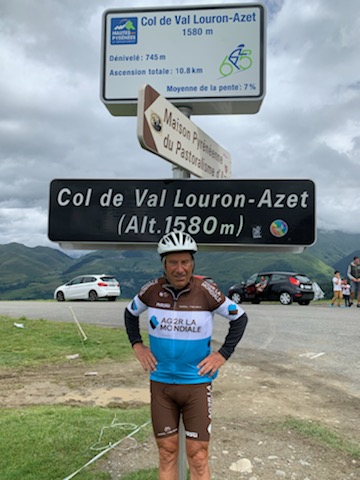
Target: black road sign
point(242, 214)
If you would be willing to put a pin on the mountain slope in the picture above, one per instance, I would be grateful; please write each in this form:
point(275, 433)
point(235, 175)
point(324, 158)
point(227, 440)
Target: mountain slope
point(34, 273)
point(333, 246)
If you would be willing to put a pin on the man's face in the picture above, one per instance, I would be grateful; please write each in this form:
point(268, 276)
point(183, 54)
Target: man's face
point(178, 269)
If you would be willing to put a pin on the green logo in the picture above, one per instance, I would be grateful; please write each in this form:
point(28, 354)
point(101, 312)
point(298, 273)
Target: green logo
point(238, 60)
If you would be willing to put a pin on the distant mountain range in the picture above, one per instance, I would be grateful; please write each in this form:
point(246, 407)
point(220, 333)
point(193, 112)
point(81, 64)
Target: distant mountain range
point(34, 273)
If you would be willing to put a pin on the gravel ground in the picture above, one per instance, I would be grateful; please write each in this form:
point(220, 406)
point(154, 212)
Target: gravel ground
point(253, 396)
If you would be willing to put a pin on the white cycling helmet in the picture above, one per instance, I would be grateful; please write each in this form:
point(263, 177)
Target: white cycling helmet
point(176, 242)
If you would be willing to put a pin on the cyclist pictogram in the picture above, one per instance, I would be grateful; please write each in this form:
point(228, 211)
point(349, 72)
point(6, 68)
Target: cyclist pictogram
point(238, 60)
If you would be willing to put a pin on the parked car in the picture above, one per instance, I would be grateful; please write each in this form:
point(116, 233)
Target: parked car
point(286, 287)
point(89, 287)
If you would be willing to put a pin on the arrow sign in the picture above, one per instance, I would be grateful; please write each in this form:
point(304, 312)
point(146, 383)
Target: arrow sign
point(164, 130)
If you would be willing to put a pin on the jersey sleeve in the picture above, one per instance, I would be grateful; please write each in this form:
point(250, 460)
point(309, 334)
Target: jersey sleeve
point(131, 318)
point(238, 321)
point(136, 307)
point(229, 309)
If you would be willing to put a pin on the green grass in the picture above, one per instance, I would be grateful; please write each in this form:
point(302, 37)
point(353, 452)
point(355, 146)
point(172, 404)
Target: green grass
point(43, 342)
point(50, 443)
point(323, 435)
point(148, 474)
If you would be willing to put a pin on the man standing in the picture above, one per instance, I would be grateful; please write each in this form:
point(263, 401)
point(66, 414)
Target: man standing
point(181, 310)
point(353, 274)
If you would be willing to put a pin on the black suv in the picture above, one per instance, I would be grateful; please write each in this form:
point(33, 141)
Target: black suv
point(286, 287)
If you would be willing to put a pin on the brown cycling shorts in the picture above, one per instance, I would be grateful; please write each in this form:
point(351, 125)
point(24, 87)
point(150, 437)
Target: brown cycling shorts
point(192, 401)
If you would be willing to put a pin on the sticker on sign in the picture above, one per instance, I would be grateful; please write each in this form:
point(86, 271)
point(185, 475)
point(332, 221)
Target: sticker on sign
point(164, 130)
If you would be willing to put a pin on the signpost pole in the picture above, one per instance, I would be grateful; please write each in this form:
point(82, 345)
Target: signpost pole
point(182, 464)
point(179, 172)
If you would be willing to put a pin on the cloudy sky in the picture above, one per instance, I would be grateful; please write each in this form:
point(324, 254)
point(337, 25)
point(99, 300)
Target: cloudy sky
point(53, 124)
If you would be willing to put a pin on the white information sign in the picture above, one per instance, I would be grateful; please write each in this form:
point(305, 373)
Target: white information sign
point(209, 58)
point(164, 130)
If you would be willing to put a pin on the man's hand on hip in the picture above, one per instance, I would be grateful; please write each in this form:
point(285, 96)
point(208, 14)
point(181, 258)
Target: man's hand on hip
point(145, 357)
point(211, 364)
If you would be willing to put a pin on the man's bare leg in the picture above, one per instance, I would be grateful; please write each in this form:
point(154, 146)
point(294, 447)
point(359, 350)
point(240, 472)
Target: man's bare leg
point(168, 456)
point(198, 458)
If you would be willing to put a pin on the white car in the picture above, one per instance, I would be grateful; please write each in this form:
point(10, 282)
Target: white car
point(89, 287)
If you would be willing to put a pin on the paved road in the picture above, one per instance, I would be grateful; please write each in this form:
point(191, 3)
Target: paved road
point(325, 339)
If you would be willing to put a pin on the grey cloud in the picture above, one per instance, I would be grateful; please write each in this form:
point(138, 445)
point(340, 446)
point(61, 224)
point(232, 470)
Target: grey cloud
point(53, 124)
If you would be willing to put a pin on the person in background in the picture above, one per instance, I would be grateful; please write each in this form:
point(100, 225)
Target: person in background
point(353, 273)
point(345, 287)
point(337, 282)
point(182, 365)
point(260, 287)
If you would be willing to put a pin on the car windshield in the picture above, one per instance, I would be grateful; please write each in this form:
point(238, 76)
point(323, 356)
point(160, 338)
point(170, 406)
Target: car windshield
point(303, 279)
point(109, 279)
point(253, 278)
point(75, 281)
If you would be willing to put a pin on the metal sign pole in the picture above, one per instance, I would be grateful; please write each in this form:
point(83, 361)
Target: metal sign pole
point(182, 463)
point(179, 172)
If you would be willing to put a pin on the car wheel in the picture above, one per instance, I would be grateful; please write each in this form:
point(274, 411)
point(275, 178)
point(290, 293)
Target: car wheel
point(60, 297)
point(236, 297)
point(285, 298)
point(111, 299)
point(93, 296)
point(304, 302)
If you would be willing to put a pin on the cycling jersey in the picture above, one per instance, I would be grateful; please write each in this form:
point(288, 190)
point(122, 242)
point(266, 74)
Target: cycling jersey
point(180, 327)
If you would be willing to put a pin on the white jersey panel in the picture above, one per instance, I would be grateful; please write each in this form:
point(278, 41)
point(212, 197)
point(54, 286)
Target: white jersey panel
point(180, 325)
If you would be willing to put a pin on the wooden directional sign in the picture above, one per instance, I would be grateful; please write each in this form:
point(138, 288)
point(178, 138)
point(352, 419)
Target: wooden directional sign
point(237, 214)
point(166, 131)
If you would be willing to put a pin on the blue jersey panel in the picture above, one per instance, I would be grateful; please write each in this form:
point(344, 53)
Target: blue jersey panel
point(178, 360)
